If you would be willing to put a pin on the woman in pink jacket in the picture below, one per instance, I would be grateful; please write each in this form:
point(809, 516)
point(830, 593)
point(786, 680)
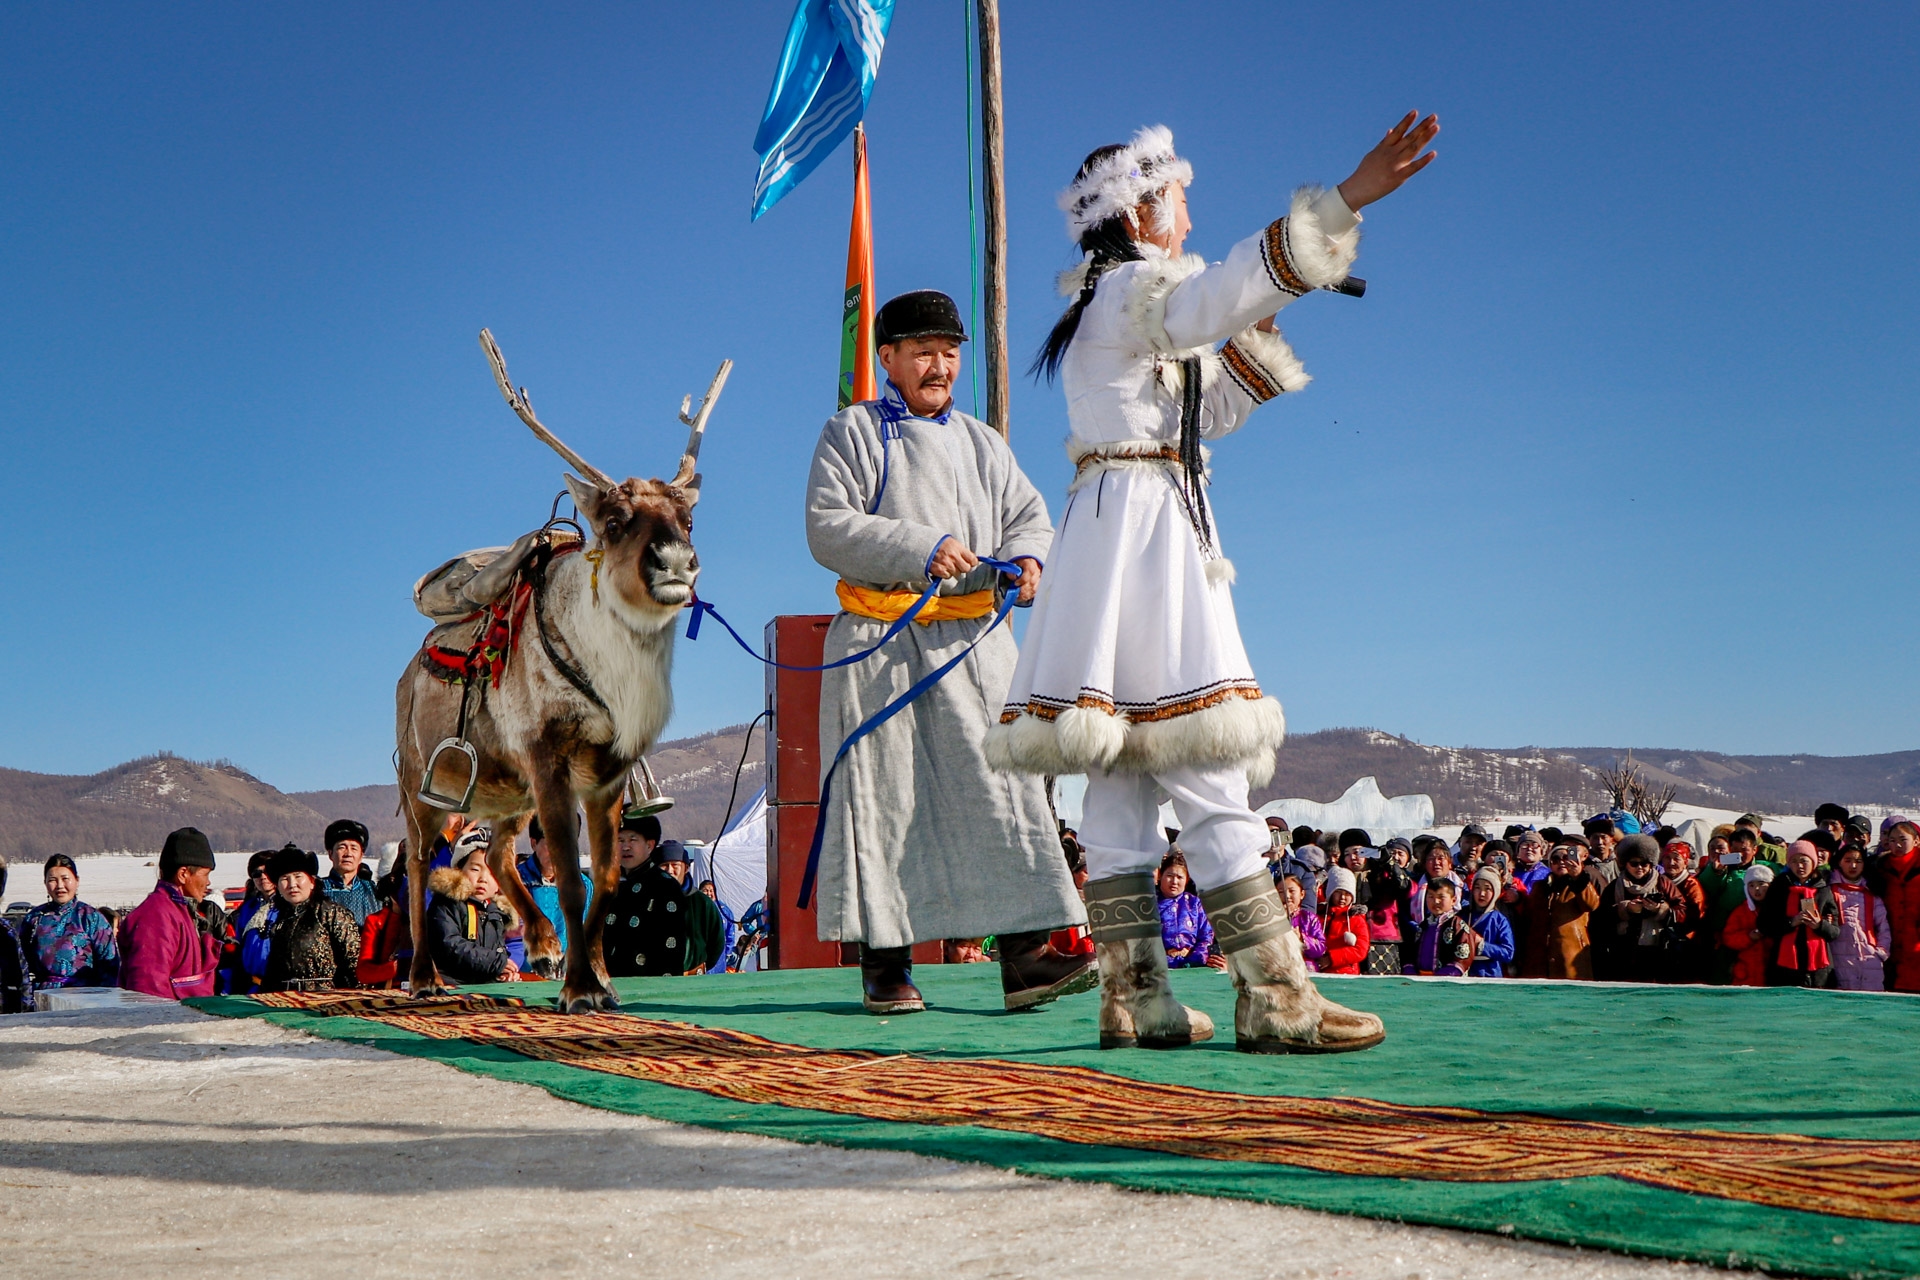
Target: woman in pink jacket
point(170, 944)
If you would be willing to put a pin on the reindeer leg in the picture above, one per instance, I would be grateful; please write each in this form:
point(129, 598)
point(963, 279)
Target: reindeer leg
point(422, 826)
point(543, 945)
point(582, 991)
point(603, 824)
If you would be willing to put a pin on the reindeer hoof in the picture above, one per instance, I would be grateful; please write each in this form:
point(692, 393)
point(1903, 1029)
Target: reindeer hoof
point(589, 1002)
point(545, 968)
point(422, 990)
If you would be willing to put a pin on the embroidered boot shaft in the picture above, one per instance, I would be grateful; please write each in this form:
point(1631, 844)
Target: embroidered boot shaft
point(1279, 1010)
point(1137, 1008)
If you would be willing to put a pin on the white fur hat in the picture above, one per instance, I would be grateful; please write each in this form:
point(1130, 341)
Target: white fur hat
point(1119, 182)
point(1340, 878)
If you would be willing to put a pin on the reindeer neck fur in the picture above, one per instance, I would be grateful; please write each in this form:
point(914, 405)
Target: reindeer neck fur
point(625, 652)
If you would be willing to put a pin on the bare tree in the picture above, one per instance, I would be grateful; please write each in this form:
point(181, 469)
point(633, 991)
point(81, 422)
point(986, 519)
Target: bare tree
point(1630, 790)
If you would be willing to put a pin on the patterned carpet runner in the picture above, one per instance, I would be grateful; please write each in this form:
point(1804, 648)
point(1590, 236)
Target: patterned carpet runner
point(1877, 1181)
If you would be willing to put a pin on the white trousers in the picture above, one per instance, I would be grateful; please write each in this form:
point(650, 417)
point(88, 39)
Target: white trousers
point(1221, 836)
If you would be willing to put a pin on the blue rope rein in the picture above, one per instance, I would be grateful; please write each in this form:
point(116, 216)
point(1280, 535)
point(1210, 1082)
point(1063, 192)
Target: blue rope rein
point(1010, 596)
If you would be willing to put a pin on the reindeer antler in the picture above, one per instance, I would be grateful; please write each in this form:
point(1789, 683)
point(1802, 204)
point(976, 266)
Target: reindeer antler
point(521, 405)
point(685, 477)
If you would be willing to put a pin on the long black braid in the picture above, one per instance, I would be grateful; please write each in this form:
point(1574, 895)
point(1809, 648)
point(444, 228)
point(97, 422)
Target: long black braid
point(1191, 462)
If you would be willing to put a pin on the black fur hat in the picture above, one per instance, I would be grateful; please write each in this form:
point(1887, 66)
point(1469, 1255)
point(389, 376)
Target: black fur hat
point(290, 859)
point(345, 829)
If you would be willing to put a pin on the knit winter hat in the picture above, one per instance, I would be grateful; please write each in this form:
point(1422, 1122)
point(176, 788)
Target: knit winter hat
point(1758, 873)
point(473, 840)
point(1806, 847)
point(187, 847)
point(1488, 874)
point(1340, 878)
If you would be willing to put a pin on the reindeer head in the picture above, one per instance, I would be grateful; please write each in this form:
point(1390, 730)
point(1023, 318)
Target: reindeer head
point(643, 527)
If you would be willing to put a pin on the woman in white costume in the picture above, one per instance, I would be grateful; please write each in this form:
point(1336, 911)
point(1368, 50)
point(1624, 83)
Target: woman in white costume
point(1132, 670)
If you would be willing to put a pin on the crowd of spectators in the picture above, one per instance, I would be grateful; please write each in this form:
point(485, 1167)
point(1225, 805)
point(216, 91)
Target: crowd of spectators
point(295, 929)
point(1837, 907)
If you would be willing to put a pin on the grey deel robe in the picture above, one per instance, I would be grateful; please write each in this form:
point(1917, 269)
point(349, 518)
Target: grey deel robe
point(923, 841)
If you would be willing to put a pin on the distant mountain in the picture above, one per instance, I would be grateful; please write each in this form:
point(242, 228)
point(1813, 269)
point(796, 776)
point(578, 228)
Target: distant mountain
point(1475, 784)
point(133, 806)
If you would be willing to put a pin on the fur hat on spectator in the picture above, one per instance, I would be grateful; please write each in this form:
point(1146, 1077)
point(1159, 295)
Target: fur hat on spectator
point(1354, 836)
point(291, 859)
point(1636, 847)
point(1338, 879)
point(1831, 812)
point(345, 829)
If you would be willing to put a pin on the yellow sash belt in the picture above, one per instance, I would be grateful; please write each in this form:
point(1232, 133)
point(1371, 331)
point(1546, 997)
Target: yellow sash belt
point(887, 606)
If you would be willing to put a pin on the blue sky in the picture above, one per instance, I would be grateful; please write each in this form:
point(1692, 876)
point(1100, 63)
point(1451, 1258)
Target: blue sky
point(1619, 448)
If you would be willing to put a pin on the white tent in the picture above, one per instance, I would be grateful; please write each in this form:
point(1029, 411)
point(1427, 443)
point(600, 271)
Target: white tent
point(737, 863)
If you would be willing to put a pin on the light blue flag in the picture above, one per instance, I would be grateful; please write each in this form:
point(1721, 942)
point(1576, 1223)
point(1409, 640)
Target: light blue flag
point(820, 92)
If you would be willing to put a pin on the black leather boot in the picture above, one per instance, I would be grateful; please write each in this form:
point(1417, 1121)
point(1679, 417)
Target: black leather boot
point(886, 980)
point(1033, 973)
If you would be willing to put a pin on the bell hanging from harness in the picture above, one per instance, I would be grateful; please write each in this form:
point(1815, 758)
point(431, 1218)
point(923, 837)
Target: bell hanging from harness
point(643, 792)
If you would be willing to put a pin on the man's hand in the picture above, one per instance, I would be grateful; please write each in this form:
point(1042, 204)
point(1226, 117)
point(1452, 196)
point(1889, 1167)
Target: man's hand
point(511, 973)
point(951, 559)
point(1217, 962)
point(1029, 577)
point(1395, 159)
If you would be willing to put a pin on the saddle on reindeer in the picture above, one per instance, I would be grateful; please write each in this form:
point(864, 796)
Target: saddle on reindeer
point(557, 725)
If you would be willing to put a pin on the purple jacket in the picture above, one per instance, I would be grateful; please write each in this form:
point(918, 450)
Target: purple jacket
point(1313, 936)
point(1183, 923)
point(163, 950)
point(1860, 952)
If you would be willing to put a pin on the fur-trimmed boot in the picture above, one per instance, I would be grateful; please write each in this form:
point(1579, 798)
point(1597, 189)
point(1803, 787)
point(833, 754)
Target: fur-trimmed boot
point(1137, 1008)
point(1279, 1010)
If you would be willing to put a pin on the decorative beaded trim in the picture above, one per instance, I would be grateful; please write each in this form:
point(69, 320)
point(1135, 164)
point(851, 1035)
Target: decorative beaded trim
point(1246, 371)
point(1278, 256)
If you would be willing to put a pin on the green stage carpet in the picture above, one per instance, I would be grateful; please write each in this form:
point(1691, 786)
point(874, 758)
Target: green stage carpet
point(1773, 1129)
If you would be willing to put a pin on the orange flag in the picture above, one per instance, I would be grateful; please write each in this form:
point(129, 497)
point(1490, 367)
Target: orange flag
point(856, 315)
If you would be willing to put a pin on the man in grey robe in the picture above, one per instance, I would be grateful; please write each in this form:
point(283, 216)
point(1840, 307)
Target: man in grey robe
point(922, 840)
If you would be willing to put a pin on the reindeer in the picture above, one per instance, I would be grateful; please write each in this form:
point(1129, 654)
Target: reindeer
point(583, 696)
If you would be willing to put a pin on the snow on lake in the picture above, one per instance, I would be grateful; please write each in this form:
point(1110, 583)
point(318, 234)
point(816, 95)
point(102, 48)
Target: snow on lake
point(123, 880)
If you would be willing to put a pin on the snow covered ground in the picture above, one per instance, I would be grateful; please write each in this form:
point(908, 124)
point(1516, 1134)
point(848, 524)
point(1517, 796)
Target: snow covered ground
point(160, 1143)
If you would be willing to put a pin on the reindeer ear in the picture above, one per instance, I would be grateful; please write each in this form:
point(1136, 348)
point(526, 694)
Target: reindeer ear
point(590, 500)
point(691, 490)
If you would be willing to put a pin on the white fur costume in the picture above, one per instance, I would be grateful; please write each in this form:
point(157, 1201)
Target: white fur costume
point(1132, 668)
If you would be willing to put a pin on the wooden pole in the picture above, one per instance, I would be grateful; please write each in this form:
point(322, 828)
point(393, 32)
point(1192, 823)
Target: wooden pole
point(993, 192)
